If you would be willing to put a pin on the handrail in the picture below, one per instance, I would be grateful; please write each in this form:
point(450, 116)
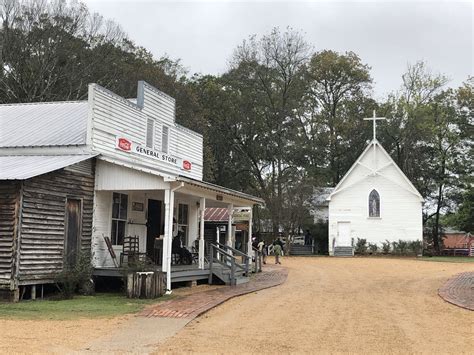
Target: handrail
point(233, 264)
point(233, 249)
point(245, 257)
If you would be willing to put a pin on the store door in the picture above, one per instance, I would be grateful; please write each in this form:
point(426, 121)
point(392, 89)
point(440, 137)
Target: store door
point(153, 227)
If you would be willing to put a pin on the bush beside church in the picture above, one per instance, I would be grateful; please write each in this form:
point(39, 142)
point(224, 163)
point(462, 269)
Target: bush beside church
point(400, 247)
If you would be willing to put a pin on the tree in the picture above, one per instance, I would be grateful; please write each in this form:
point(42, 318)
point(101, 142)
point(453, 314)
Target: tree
point(427, 136)
point(408, 113)
point(330, 117)
point(251, 113)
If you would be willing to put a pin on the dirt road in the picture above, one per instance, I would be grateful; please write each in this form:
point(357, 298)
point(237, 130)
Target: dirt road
point(329, 305)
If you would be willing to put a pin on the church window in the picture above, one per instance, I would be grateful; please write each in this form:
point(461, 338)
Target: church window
point(374, 204)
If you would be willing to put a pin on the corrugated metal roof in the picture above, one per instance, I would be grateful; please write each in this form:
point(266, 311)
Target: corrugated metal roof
point(216, 214)
point(43, 124)
point(320, 196)
point(21, 167)
point(220, 189)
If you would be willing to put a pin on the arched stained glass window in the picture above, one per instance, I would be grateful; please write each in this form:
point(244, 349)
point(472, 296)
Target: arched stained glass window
point(374, 204)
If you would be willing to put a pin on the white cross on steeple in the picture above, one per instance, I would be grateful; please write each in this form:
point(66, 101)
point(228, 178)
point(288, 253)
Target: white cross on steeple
point(374, 119)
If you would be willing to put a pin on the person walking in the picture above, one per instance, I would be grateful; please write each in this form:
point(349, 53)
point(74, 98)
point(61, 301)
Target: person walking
point(262, 250)
point(308, 238)
point(277, 251)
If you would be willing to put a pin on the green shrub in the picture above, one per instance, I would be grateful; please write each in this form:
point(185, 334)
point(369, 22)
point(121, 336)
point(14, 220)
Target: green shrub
point(386, 247)
point(395, 249)
point(373, 248)
point(361, 246)
point(76, 277)
point(402, 247)
point(415, 246)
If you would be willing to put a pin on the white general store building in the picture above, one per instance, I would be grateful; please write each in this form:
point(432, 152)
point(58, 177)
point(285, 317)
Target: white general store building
point(147, 170)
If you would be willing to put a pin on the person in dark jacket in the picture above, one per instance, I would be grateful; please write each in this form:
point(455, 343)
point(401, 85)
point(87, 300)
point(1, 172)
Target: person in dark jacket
point(185, 257)
point(308, 238)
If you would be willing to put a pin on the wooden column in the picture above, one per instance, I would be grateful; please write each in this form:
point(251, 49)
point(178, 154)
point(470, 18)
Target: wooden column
point(168, 239)
point(218, 240)
point(230, 210)
point(202, 206)
point(168, 227)
point(249, 246)
point(33, 292)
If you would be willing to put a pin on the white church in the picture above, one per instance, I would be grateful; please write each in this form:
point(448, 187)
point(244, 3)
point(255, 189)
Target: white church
point(373, 201)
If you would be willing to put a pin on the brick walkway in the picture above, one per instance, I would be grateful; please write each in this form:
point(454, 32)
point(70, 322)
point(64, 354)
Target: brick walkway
point(459, 290)
point(196, 304)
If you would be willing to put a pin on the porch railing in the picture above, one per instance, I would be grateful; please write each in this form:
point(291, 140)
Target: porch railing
point(226, 260)
point(245, 258)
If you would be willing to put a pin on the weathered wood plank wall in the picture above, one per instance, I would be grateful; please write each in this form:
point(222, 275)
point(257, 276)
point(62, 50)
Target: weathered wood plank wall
point(9, 206)
point(43, 221)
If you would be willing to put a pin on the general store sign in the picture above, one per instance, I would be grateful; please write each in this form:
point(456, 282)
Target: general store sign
point(126, 145)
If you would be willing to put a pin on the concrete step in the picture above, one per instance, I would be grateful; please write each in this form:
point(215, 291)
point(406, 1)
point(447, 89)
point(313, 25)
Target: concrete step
point(298, 249)
point(344, 251)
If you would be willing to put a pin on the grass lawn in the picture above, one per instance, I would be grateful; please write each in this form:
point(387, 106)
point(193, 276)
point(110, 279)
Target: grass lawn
point(449, 259)
point(100, 305)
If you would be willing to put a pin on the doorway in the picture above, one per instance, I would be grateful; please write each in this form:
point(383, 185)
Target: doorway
point(344, 234)
point(73, 230)
point(153, 226)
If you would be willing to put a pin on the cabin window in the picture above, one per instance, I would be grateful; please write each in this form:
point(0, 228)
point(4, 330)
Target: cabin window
point(150, 132)
point(374, 204)
point(119, 218)
point(183, 222)
point(164, 139)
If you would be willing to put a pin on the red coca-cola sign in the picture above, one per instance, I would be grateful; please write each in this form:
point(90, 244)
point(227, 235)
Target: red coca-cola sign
point(124, 144)
point(186, 165)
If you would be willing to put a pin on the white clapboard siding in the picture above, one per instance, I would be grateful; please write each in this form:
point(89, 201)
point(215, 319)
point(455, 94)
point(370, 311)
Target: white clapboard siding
point(101, 228)
point(113, 177)
point(114, 116)
point(156, 103)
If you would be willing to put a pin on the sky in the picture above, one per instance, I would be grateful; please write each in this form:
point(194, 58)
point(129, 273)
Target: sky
point(387, 35)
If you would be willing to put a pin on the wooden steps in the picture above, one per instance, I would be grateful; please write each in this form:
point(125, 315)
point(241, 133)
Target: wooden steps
point(223, 274)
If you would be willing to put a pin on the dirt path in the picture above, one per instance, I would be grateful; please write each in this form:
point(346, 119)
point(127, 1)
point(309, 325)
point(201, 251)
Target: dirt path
point(333, 305)
point(327, 305)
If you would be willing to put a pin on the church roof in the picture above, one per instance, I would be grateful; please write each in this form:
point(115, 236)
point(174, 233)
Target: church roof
point(388, 163)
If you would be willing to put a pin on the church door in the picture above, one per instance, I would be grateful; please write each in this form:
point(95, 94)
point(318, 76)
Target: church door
point(344, 234)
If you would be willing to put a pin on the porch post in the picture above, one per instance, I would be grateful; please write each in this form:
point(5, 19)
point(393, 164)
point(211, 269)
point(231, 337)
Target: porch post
point(167, 242)
point(164, 257)
point(230, 210)
point(218, 241)
point(202, 205)
point(249, 246)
